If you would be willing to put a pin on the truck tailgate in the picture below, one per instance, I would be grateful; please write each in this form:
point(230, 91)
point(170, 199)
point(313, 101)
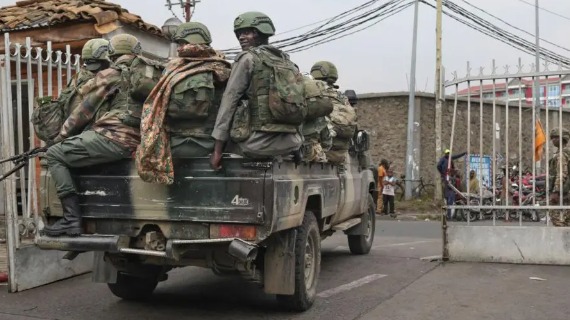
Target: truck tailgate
point(114, 191)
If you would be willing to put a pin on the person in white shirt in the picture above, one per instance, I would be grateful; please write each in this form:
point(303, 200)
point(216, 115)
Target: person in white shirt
point(388, 192)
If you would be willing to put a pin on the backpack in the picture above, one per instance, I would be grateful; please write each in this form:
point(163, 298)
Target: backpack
point(47, 118)
point(192, 97)
point(343, 118)
point(286, 90)
point(319, 102)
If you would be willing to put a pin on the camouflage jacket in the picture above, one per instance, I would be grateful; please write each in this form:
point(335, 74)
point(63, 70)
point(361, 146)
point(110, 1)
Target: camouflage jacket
point(78, 86)
point(105, 86)
point(557, 177)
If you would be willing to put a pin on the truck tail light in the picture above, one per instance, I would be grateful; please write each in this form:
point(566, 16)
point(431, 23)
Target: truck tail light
point(243, 232)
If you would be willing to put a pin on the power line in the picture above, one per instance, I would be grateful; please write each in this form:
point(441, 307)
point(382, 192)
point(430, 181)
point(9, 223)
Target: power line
point(343, 24)
point(546, 10)
point(477, 23)
point(512, 26)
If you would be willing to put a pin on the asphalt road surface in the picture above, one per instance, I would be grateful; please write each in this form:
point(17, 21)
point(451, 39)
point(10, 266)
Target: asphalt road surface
point(349, 286)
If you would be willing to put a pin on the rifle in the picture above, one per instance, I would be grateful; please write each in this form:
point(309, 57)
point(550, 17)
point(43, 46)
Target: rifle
point(21, 159)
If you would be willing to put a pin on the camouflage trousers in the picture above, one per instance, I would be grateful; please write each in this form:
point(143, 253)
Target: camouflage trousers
point(560, 218)
point(313, 152)
point(87, 149)
point(337, 156)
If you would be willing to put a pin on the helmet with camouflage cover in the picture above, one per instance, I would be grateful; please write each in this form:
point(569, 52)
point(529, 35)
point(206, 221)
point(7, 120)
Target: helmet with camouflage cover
point(324, 70)
point(95, 49)
point(192, 32)
point(95, 54)
point(256, 20)
point(124, 44)
point(557, 133)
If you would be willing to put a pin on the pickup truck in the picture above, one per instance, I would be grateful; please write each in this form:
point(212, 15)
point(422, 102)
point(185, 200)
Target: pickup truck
point(262, 220)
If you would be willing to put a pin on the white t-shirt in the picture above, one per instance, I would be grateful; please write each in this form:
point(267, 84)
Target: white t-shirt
point(388, 189)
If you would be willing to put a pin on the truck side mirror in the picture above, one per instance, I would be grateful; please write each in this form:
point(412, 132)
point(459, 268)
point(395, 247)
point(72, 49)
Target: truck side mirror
point(362, 142)
point(352, 97)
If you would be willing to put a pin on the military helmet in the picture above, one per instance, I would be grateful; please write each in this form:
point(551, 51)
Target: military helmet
point(256, 20)
point(324, 70)
point(192, 32)
point(95, 49)
point(124, 44)
point(557, 132)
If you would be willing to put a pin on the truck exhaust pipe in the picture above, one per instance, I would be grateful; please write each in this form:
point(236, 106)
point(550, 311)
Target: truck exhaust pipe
point(242, 250)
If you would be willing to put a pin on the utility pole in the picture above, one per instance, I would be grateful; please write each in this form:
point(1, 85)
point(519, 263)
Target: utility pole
point(438, 94)
point(188, 10)
point(411, 166)
point(537, 62)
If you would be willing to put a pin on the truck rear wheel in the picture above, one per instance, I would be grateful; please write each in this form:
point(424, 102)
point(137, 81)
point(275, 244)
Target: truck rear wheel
point(361, 244)
point(133, 288)
point(307, 266)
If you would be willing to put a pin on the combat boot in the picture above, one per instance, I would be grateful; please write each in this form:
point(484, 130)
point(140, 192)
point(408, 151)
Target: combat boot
point(70, 224)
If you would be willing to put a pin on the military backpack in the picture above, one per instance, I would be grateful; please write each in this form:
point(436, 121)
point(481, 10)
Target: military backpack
point(319, 101)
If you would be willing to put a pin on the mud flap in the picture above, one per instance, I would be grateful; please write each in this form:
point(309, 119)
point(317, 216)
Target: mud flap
point(279, 276)
point(103, 271)
point(359, 229)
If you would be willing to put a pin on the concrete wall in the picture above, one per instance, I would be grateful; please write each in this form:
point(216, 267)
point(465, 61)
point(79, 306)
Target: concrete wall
point(528, 245)
point(385, 115)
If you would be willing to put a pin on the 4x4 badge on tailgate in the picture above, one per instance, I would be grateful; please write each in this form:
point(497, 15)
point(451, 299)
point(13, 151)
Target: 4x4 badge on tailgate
point(237, 201)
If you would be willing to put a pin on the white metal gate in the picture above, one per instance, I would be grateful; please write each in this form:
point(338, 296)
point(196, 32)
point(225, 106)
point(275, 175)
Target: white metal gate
point(509, 219)
point(27, 73)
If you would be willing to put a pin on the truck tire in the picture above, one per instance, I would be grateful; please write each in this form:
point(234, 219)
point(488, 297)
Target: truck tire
point(132, 288)
point(361, 244)
point(307, 266)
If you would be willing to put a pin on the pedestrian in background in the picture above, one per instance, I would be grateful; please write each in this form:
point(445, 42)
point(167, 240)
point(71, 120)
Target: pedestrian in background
point(382, 168)
point(388, 192)
point(446, 163)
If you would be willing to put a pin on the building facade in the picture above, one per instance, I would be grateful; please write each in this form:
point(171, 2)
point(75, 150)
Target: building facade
point(554, 92)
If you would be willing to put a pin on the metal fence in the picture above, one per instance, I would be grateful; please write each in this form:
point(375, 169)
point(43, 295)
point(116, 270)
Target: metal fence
point(26, 73)
point(518, 169)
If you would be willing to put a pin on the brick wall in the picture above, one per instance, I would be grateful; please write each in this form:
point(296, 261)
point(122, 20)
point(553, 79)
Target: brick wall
point(385, 116)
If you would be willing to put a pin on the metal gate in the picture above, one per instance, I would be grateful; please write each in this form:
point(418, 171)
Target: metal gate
point(503, 120)
point(27, 73)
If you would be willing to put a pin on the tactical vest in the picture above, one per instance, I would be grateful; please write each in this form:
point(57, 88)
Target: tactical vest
point(193, 106)
point(125, 102)
point(276, 94)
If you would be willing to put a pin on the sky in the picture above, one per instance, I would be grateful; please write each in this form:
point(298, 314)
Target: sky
point(378, 59)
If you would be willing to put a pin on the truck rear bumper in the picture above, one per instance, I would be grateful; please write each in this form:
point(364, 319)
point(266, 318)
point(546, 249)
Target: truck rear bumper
point(240, 249)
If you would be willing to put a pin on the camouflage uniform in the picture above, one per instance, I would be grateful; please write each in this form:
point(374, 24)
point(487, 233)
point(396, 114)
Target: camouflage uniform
point(341, 133)
point(185, 140)
point(179, 114)
point(49, 116)
point(112, 137)
point(318, 140)
point(242, 83)
point(560, 218)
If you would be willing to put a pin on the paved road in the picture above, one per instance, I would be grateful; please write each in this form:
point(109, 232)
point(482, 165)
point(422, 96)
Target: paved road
point(349, 286)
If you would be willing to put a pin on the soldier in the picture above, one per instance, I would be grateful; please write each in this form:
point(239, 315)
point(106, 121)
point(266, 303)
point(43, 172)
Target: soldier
point(273, 127)
point(182, 108)
point(559, 218)
point(50, 115)
point(114, 136)
point(343, 117)
point(316, 134)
